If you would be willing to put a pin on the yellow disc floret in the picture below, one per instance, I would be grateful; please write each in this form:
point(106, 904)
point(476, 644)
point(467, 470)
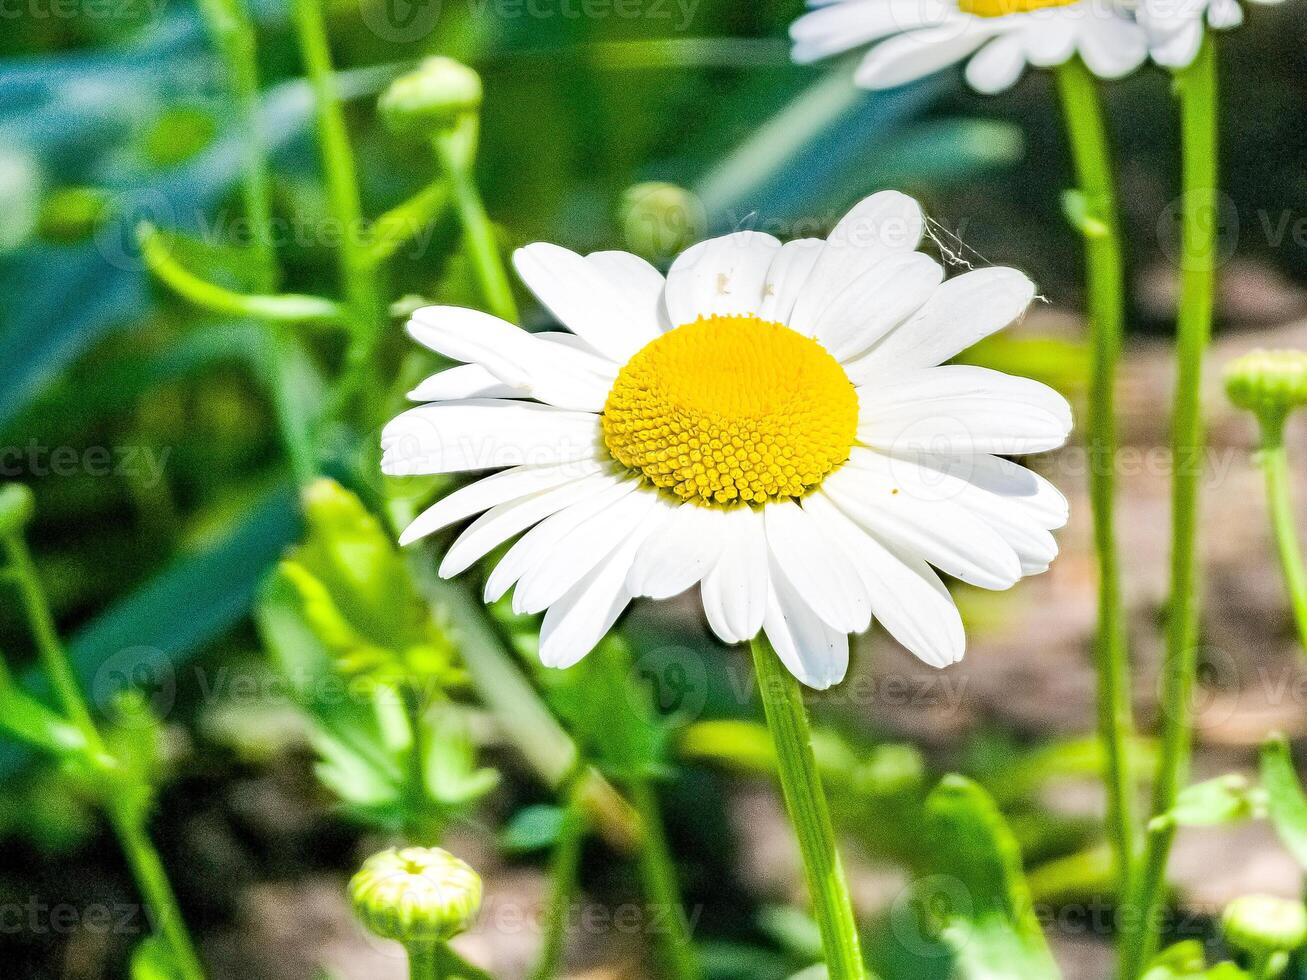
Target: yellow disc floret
point(732, 409)
point(1002, 8)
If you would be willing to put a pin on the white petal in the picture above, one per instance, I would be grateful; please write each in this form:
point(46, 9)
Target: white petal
point(503, 521)
point(484, 434)
point(786, 277)
point(876, 302)
point(1224, 15)
point(884, 224)
point(679, 552)
point(722, 276)
point(497, 488)
point(1112, 45)
point(916, 54)
point(578, 621)
point(1179, 48)
point(581, 296)
point(563, 377)
point(584, 542)
point(847, 25)
point(1018, 524)
point(464, 381)
point(637, 279)
point(942, 532)
point(907, 597)
point(960, 408)
point(735, 589)
point(997, 66)
point(1051, 39)
point(816, 567)
point(813, 652)
point(961, 312)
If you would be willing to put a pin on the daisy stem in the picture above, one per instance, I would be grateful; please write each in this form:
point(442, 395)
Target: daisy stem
point(782, 701)
point(234, 36)
point(478, 231)
point(1274, 462)
point(1105, 281)
point(563, 874)
point(126, 816)
point(358, 273)
point(1196, 89)
point(658, 875)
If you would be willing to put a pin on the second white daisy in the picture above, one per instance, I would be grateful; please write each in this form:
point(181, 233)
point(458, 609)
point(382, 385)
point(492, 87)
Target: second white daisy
point(768, 423)
point(914, 38)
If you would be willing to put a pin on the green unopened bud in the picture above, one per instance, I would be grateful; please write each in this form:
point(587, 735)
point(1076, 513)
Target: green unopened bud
point(1269, 383)
point(16, 508)
point(660, 220)
point(416, 895)
point(431, 98)
point(1263, 924)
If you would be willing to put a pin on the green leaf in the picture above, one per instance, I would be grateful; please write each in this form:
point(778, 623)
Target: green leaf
point(1226, 799)
point(533, 828)
point(357, 595)
point(1188, 961)
point(453, 778)
point(1286, 804)
point(979, 894)
point(27, 719)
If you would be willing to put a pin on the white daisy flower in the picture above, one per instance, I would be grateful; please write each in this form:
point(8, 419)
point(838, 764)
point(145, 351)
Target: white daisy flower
point(915, 38)
point(770, 422)
point(1175, 27)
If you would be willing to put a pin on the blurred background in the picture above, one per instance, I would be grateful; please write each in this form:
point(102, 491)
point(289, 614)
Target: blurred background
point(164, 498)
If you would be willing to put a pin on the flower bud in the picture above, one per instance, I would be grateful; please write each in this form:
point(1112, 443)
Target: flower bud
point(1263, 924)
point(1269, 383)
point(659, 220)
point(16, 508)
point(416, 894)
point(432, 97)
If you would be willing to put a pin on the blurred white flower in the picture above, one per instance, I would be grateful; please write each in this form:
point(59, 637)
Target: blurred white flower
point(1175, 27)
point(914, 38)
point(770, 422)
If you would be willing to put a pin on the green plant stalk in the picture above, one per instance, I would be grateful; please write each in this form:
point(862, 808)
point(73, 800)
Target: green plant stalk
point(358, 273)
point(1274, 462)
point(1105, 284)
point(398, 226)
point(782, 701)
point(563, 875)
point(1197, 91)
point(234, 35)
point(127, 820)
point(658, 876)
point(424, 962)
point(478, 232)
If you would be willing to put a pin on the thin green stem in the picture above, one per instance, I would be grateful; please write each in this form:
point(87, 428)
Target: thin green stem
point(402, 223)
point(563, 874)
point(1105, 303)
point(658, 875)
point(1197, 91)
point(782, 701)
point(1274, 462)
point(233, 34)
point(357, 271)
point(126, 818)
point(478, 232)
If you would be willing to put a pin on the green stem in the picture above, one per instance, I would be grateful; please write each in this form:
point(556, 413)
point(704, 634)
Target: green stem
point(478, 232)
point(402, 223)
point(563, 875)
point(362, 292)
point(782, 701)
point(424, 961)
point(127, 820)
point(658, 875)
point(1105, 283)
point(1274, 461)
point(1196, 87)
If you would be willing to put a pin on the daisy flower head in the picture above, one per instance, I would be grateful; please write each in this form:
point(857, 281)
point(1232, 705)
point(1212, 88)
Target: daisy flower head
point(911, 39)
point(1176, 27)
point(769, 423)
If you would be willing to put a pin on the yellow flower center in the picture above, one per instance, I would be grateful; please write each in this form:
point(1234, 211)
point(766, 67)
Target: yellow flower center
point(732, 409)
point(1001, 8)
